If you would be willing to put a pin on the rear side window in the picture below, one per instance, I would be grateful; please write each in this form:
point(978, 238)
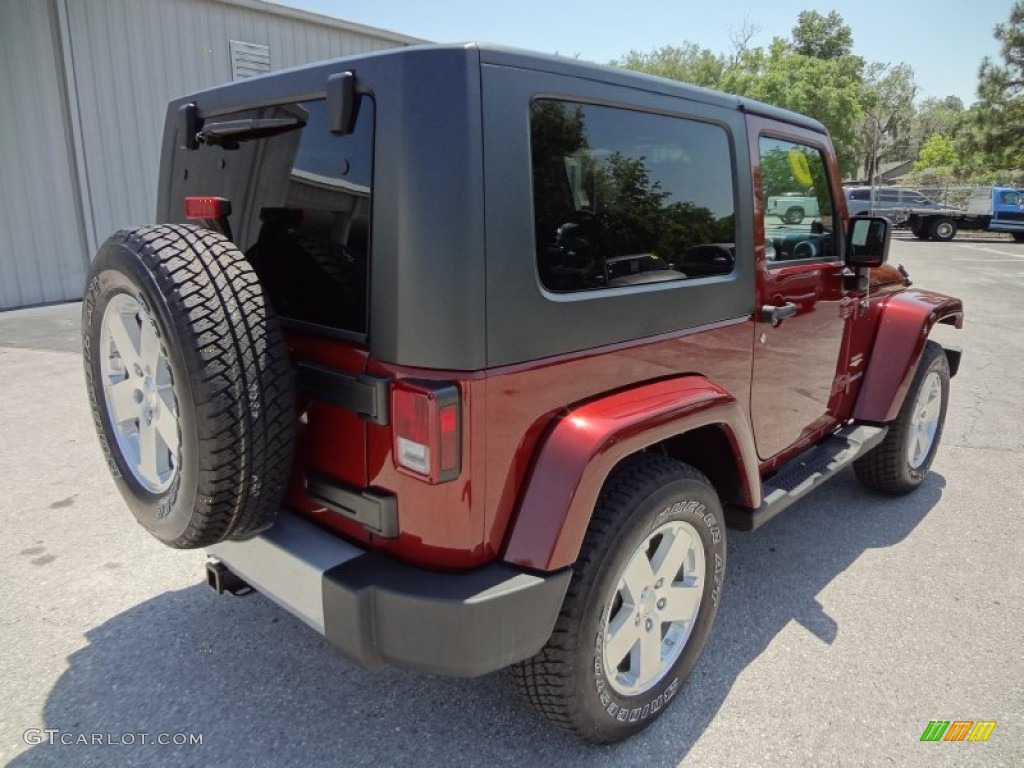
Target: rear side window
point(626, 198)
point(860, 194)
point(300, 204)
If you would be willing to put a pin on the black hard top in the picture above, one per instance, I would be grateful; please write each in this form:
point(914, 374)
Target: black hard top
point(450, 112)
point(311, 75)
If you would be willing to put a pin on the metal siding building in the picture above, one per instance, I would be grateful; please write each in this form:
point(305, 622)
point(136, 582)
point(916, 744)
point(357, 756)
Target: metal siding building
point(85, 86)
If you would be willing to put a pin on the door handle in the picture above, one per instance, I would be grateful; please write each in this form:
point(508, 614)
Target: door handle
point(775, 315)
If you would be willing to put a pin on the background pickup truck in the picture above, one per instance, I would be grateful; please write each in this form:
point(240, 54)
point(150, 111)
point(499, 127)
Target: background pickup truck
point(989, 209)
point(792, 208)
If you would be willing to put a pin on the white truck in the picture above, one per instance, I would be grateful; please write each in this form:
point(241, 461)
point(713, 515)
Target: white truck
point(792, 208)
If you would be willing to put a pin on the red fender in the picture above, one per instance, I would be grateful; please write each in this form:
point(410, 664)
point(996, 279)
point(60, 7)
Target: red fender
point(590, 440)
point(906, 320)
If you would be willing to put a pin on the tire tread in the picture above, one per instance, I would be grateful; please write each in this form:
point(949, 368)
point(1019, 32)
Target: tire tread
point(239, 374)
point(882, 468)
point(546, 679)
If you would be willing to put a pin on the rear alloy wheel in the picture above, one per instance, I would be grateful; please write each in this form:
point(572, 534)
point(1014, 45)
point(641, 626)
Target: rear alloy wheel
point(644, 633)
point(943, 230)
point(190, 384)
point(900, 463)
point(640, 607)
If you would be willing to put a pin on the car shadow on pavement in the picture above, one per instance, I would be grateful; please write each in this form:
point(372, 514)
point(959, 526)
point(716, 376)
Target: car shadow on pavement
point(262, 689)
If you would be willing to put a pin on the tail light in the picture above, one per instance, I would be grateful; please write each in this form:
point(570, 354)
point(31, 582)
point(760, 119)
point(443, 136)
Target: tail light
point(206, 207)
point(426, 426)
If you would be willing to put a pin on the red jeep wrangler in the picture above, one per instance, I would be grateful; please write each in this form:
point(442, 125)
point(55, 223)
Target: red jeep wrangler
point(468, 357)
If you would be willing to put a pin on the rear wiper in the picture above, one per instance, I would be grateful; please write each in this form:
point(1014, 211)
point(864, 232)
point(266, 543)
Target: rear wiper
point(229, 133)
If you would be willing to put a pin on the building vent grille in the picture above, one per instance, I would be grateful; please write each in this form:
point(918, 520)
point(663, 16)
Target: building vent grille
point(248, 59)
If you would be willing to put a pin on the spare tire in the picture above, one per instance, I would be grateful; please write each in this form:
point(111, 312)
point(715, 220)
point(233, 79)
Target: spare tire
point(191, 388)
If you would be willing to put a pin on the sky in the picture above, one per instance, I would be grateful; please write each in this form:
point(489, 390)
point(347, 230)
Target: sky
point(943, 40)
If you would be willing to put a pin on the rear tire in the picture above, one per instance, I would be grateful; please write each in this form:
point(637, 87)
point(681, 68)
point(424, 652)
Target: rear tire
point(618, 655)
point(1018, 237)
point(190, 384)
point(943, 230)
point(900, 463)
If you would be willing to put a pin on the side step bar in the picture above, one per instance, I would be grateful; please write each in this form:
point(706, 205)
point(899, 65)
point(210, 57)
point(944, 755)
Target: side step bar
point(801, 475)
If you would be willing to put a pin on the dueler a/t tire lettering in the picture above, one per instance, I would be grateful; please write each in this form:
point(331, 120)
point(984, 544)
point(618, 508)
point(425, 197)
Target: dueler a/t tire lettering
point(223, 377)
point(570, 681)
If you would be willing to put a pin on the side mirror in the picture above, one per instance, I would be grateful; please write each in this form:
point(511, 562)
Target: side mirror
point(867, 244)
point(342, 103)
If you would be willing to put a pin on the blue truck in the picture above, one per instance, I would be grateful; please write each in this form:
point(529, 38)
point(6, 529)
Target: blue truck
point(989, 209)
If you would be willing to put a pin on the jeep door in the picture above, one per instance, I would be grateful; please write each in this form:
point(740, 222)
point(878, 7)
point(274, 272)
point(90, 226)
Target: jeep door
point(800, 309)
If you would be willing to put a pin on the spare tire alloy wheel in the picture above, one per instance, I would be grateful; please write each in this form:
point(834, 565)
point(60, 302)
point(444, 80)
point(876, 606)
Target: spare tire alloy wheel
point(190, 384)
point(794, 215)
point(142, 405)
point(640, 607)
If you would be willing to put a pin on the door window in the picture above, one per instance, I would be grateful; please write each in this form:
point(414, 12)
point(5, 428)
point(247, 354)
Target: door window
point(795, 183)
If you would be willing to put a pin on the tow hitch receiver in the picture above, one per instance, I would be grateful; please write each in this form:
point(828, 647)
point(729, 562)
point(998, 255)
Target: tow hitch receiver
point(222, 580)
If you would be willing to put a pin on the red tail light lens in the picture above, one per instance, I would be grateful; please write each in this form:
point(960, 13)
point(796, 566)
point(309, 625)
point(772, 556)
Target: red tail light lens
point(206, 207)
point(449, 438)
point(426, 429)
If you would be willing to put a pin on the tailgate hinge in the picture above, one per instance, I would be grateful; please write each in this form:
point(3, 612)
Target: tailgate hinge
point(366, 395)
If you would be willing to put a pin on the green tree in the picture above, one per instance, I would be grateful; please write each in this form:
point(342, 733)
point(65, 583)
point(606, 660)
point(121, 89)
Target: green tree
point(995, 138)
point(938, 152)
point(868, 109)
point(934, 115)
point(822, 37)
point(826, 89)
point(888, 108)
point(688, 63)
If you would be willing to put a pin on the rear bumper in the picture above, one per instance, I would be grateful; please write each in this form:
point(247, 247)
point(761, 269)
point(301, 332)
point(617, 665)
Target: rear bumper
point(378, 611)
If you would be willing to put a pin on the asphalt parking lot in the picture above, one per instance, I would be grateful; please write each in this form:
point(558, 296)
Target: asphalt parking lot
point(847, 624)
